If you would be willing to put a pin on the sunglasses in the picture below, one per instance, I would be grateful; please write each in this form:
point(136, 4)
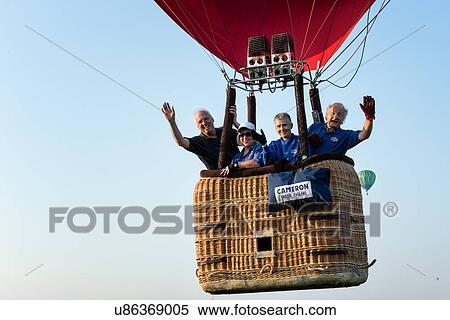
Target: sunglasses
point(245, 134)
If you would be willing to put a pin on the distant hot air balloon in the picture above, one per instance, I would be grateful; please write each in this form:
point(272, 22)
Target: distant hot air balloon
point(367, 179)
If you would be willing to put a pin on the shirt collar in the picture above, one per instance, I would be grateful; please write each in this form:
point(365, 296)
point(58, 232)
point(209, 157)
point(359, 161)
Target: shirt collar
point(332, 132)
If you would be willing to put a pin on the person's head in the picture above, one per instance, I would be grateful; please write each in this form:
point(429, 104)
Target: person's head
point(283, 125)
point(204, 122)
point(336, 114)
point(245, 134)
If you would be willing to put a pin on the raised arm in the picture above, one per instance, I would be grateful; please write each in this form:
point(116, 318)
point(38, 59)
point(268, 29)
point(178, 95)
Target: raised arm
point(233, 111)
point(169, 113)
point(368, 107)
point(366, 130)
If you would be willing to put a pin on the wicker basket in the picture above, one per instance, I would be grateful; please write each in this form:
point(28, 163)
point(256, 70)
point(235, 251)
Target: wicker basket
point(242, 247)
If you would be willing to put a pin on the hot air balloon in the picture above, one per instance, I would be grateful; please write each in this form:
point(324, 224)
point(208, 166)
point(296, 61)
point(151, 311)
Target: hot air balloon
point(243, 242)
point(367, 179)
point(317, 28)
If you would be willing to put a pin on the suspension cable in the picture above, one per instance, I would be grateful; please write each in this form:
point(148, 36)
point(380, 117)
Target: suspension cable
point(360, 60)
point(208, 54)
point(307, 27)
point(369, 23)
point(348, 60)
point(319, 30)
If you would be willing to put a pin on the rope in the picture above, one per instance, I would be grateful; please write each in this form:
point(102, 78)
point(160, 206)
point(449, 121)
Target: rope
point(217, 274)
point(269, 266)
point(369, 23)
point(328, 37)
point(210, 26)
point(360, 60)
point(320, 29)
point(356, 271)
point(189, 18)
point(377, 55)
point(320, 71)
point(307, 27)
point(263, 15)
point(290, 20)
point(350, 58)
point(228, 38)
point(270, 89)
point(370, 59)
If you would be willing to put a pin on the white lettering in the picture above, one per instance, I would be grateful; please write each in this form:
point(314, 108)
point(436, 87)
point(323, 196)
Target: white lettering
point(296, 191)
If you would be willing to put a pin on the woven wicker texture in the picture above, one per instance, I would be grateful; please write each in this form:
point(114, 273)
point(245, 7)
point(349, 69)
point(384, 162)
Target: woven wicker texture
point(241, 247)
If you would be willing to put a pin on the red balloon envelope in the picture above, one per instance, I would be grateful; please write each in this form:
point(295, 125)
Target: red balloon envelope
point(318, 27)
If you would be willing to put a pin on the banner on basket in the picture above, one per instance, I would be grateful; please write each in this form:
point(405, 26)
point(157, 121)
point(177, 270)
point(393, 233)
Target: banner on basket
point(296, 191)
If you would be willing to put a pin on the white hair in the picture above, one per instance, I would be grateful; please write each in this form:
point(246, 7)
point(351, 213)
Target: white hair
point(339, 105)
point(282, 116)
point(201, 110)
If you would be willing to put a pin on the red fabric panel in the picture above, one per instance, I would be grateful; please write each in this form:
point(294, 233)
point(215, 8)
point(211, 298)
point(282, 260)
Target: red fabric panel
point(224, 26)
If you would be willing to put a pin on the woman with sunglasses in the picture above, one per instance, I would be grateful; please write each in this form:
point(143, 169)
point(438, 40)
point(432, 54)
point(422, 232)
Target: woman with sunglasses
point(251, 155)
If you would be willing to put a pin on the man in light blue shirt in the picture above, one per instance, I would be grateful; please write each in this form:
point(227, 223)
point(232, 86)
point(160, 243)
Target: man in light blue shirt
point(287, 147)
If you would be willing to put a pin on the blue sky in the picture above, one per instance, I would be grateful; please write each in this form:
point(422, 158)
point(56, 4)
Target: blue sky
point(71, 137)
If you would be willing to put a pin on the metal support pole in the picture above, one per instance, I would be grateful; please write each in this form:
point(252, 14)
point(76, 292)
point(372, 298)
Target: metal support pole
point(301, 116)
point(316, 105)
point(251, 108)
point(224, 154)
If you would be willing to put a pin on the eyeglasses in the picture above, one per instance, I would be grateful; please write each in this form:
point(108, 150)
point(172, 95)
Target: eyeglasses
point(245, 134)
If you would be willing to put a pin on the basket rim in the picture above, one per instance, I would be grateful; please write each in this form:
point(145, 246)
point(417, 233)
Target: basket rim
point(273, 168)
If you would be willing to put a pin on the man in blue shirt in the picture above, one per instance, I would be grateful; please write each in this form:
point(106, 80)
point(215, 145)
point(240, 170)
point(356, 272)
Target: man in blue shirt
point(329, 137)
point(287, 147)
